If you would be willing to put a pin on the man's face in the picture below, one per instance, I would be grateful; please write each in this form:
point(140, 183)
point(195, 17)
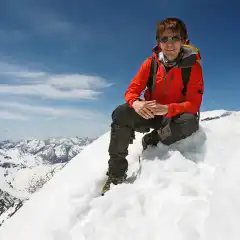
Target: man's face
point(172, 47)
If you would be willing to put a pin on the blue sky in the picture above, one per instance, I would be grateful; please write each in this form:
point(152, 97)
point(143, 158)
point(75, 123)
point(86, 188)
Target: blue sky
point(65, 65)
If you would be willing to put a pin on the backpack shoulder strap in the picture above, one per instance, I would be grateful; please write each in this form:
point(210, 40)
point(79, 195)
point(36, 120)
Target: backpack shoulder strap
point(185, 78)
point(152, 75)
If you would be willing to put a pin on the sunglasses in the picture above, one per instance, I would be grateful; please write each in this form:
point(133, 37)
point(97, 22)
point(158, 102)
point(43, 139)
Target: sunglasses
point(170, 39)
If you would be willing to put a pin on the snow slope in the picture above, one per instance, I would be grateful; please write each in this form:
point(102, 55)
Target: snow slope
point(188, 191)
point(27, 180)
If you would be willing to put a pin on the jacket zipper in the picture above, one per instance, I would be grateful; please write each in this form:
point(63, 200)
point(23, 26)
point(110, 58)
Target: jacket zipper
point(165, 82)
point(164, 79)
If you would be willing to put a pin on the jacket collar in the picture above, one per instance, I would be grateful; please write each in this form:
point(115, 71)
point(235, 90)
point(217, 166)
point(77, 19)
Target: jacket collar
point(189, 56)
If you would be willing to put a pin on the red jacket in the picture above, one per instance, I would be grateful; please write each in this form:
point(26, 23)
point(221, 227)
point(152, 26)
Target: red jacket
point(168, 87)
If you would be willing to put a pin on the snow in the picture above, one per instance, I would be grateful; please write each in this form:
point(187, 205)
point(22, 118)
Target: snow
point(18, 157)
point(28, 178)
point(31, 146)
point(60, 151)
point(20, 182)
point(74, 150)
point(69, 141)
point(188, 191)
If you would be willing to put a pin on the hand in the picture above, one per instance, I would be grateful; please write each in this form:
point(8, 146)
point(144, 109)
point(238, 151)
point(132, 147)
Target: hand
point(144, 108)
point(160, 109)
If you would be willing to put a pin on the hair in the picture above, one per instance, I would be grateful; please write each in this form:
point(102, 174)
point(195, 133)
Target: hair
point(174, 24)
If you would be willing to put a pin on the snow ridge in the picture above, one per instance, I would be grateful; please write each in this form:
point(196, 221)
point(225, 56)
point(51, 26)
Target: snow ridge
point(187, 191)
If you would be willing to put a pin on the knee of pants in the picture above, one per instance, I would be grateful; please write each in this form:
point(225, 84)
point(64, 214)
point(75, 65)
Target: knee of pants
point(188, 123)
point(181, 128)
point(120, 114)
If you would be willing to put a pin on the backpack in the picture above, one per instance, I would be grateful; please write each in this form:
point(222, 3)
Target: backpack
point(185, 78)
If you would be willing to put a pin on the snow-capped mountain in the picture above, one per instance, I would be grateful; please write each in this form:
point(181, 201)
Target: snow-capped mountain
point(25, 166)
point(37, 152)
point(189, 190)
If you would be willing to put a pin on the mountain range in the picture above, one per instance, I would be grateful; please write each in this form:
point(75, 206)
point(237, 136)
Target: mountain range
point(26, 165)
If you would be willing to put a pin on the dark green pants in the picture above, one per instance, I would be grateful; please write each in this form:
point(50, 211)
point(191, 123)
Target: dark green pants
point(125, 121)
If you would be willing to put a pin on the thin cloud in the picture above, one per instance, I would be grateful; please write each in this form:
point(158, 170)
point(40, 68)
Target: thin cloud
point(49, 22)
point(15, 71)
point(44, 20)
point(50, 86)
point(55, 112)
point(78, 81)
point(46, 91)
point(9, 115)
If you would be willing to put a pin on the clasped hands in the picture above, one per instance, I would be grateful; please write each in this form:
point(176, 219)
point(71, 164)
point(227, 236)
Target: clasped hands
point(148, 109)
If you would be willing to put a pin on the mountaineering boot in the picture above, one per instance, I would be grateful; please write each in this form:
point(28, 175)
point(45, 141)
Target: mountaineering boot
point(150, 139)
point(114, 180)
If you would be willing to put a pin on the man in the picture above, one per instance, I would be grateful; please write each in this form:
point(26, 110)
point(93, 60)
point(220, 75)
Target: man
point(165, 109)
